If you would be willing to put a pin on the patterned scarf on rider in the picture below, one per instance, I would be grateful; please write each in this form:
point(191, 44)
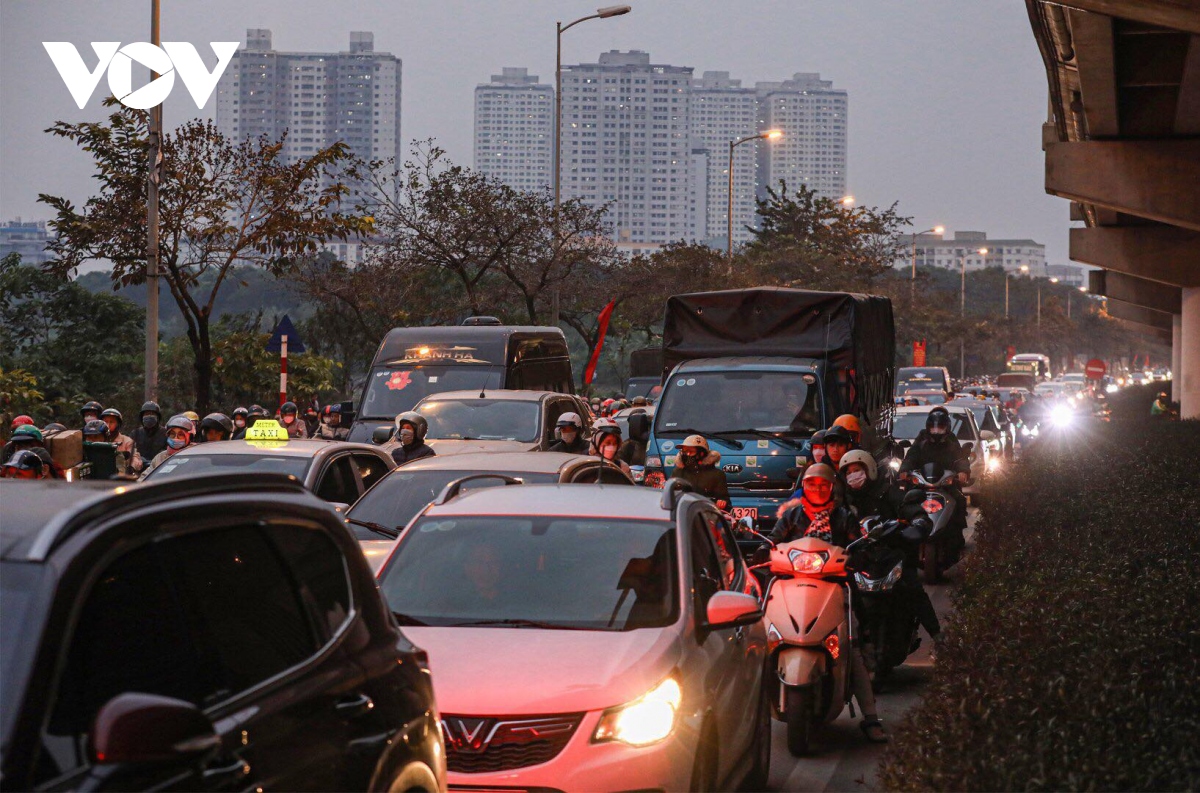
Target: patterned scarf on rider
point(818, 517)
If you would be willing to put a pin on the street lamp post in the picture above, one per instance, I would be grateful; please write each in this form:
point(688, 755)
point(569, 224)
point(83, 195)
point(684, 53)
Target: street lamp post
point(962, 312)
point(151, 350)
point(912, 289)
point(601, 13)
point(771, 134)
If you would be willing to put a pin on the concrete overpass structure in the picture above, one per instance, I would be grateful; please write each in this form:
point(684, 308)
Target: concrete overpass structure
point(1123, 145)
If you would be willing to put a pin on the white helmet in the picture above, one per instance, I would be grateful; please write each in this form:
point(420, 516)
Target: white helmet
point(861, 457)
point(570, 420)
point(695, 441)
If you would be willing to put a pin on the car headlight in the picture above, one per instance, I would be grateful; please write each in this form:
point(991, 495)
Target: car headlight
point(807, 562)
point(1112, 388)
point(1061, 415)
point(648, 719)
point(894, 464)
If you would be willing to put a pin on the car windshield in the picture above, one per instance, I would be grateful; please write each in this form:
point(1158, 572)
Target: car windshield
point(395, 389)
point(715, 402)
point(908, 425)
point(19, 583)
point(918, 379)
point(539, 572)
point(402, 493)
point(482, 419)
point(196, 464)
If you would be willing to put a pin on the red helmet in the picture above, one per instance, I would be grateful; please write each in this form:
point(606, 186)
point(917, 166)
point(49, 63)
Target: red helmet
point(19, 420)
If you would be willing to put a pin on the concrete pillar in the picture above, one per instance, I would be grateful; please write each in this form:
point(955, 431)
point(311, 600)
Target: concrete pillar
point(1176, 354)
point(1189, 355)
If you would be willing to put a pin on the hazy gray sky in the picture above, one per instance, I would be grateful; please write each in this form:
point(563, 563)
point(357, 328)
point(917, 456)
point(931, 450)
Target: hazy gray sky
point(947, 97)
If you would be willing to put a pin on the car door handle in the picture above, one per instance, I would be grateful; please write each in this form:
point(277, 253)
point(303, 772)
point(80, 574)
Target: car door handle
point(355, 706)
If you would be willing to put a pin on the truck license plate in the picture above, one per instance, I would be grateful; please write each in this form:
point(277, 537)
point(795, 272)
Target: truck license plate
point(745, 512)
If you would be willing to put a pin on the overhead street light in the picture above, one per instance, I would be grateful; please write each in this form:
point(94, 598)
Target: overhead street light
point(847, 201)
point(912, 291)
point(962, 311)
point(770, 134)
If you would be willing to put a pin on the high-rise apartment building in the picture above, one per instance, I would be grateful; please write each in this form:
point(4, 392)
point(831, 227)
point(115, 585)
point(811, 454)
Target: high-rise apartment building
point(514, 129)
point(722, 111)
point(812, 115)
point(318, 98)
point(626, 144)
point(935, 250)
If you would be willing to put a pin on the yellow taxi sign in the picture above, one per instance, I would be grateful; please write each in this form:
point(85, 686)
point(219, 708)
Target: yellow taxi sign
point(266, 430)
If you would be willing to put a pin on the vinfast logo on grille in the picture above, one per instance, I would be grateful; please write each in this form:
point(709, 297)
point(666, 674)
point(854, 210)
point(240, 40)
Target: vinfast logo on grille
point(173, 57)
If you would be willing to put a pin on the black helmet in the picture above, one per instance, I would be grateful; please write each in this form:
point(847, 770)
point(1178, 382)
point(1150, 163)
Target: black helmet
point(114, 413)
point(150, 407)
point(91, 407)
point(54, 426)
point(25, 460)
point(937, 424)
point(95, 427)
point(418, 422)
point(218, 421)
point(818, 438)
point(258, 411)
point(240, 412)
point(288, 407)
point(838, 433)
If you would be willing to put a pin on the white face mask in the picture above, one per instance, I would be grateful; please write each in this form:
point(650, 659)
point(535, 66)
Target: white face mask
point(407, 436)
point(856, 479)
point(568, 436)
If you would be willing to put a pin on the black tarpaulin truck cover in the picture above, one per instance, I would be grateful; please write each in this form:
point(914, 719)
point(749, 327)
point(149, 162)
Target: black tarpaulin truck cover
point(853, 333)
point(647, 362)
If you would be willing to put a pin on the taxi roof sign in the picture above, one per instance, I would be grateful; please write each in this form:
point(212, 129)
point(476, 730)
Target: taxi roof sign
point(266, 430)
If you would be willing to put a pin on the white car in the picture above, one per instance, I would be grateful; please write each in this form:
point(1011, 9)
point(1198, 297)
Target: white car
point(910, 421)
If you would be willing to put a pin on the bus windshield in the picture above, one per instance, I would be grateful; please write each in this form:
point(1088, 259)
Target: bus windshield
point(395, 389)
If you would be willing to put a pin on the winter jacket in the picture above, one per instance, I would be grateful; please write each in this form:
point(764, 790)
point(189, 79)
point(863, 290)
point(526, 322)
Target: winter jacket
point(149, 444)
point(297, 429)
point(406, 454)
point(327, 432)
point(878, 498)
point(133, 461)
point(580, 446)
point(707, 479)
point(949, 454)
point(617, 461)
point(795, 522)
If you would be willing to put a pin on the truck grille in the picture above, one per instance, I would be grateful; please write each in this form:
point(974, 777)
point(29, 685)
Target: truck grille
point(477, 745)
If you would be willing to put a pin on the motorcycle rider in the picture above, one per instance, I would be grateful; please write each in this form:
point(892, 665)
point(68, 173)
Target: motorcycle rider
point(850, 423)
point(606, 442)
point(331, 428)
point(937, 444)
point(410, 431)
point(289, 418)
point(312, 420)
point(570, 435)
point(1161, 406)
point(239, 423)
point(179, 431)
point(817, 448)
point(838, 441)
point(107, 462)
point(149, 438)
point(819, 515)
point(194, 417)
point(869, 494)
point(698, 465)
point(90, 411)
point(25, 464)
point(216, 427)
point(633, 450)
point(112, 418)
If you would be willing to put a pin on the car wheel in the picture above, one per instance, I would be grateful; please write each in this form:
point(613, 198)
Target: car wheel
point(800, 718)
point(761, 748)
point(704, 769)
point(414, 778)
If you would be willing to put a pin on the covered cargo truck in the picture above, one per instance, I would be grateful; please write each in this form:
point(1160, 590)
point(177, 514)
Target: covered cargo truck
point(757, 371)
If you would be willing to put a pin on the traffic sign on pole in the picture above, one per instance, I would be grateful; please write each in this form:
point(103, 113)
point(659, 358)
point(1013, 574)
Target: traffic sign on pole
point(1095, 369)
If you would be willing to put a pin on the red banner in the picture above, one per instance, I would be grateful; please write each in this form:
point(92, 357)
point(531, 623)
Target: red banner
point(919, 353)
point(1010, 352)
point(605, 316)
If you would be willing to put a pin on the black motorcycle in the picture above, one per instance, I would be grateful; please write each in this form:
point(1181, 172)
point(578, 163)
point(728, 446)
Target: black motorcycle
point(934, 496)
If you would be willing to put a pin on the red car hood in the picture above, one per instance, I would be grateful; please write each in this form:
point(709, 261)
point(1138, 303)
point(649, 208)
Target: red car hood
point(525, 671)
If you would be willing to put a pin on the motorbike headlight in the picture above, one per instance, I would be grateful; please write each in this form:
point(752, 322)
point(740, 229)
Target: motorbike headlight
point(648, 719)
point(1061, 415)
point(868, 584)
point(894, 464)
point(993, 464)
point(807, 562)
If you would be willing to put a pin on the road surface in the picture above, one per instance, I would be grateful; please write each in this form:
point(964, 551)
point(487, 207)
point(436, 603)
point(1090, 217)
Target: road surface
point(844, 760)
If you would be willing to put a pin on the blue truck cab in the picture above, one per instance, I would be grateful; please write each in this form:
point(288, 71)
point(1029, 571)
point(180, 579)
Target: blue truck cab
point(757, 372)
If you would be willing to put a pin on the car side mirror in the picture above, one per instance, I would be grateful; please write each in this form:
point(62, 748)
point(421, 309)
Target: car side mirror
point(382, 435)
point(731, 609)
point(147, 728)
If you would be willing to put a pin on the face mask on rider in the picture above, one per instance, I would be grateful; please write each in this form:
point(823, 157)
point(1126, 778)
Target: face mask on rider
point(609, 450)
point(856, 479)
point(407, 436)
point(289, 418)
point(818, 454)
point(239, 423)
point(177, 443)
point(568, 436)
point(150, 422)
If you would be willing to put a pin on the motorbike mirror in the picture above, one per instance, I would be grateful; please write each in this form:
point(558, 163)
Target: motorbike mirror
point(382, 435)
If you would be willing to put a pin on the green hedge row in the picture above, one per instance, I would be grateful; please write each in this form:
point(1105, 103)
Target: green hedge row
point(1072, 661)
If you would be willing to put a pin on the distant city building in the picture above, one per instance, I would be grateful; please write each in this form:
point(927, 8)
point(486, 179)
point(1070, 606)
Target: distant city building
point(626, 145)
point(934, 250)
point(1068, 274)
point(27, 238)
point(812, 115)
point(318, 98)
point(722, 111)
point(514, 129)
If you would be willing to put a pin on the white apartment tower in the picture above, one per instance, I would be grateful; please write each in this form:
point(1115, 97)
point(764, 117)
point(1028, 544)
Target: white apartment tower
point(722, 111)
point(514, 130)
point(812, 115)
point(318, 98)
point(626, 144)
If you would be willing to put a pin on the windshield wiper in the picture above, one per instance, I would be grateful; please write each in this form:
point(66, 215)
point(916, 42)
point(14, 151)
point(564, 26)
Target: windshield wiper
point(763, 434)
point(515, 622)
point(690, 431)
point(378, 528)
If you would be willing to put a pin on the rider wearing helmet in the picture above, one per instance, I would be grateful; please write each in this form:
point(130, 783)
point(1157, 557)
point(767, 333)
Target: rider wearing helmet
point(291, 421)
point(606, 442)
point(569, 430)
point(937, 444)
point(149, 436)
point(216, 427)
point(838, 441)
point(194, 417)
point(850, 423)
point(331, 428)
point(698, 465)
point(817, 447)
point(1161, 405)
point(25, 464)
point(26, 436)
point(124, 443)
point(312, 420)
point(90, 411)
point(20, 420)
point(106, 460)
point(180, 433)
point(239, 423)
point(411, 427)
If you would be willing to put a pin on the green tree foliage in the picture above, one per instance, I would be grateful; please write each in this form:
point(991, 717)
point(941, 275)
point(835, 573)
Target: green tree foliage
point(19, 395)
point(80, 345)
point(222, 204)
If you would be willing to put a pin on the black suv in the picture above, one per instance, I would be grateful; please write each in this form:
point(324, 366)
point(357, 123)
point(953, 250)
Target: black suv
point(214, 633)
